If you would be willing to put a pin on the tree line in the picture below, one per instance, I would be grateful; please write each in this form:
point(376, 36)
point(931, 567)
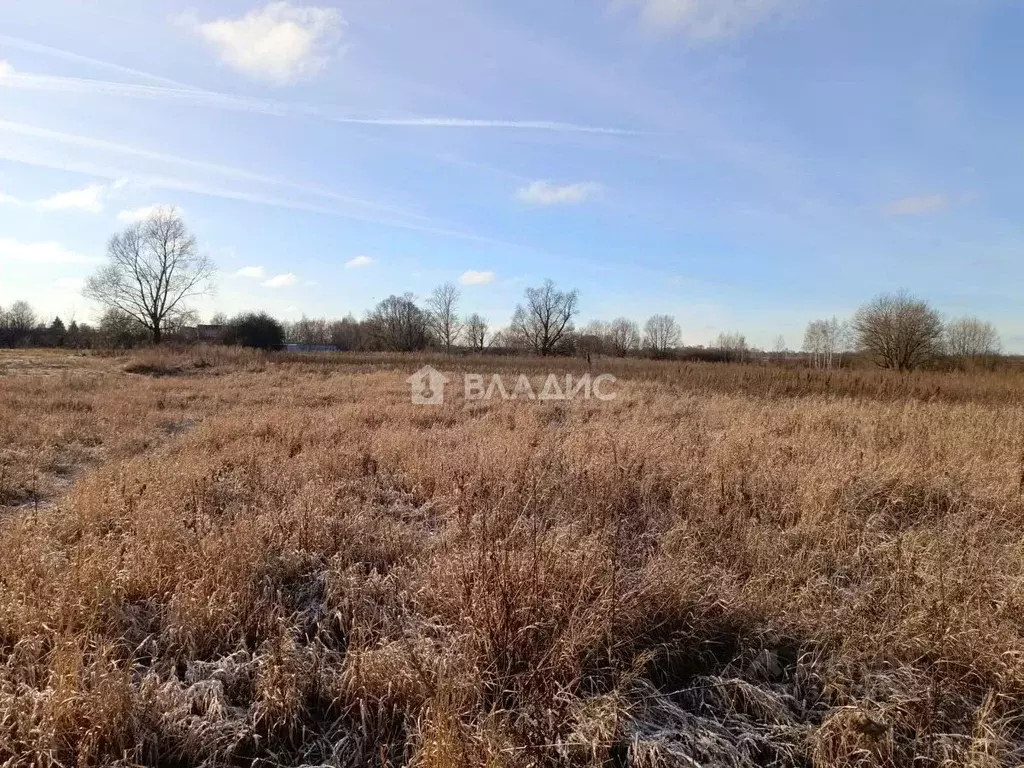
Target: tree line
point(901, 332)
point(542, 324)
point(21, 326)
point(154, 270)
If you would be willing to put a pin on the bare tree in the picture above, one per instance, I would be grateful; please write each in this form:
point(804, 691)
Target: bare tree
point(898, 331)
point(154, 267)
point(398, 325)
point(506, 339)
point(347, 333)
point(972, 339)
point(623, 336)
point(845, 340)
point(733, 346)
point(309, 331)
point(825, 341)
point(661, 335)
point(779, 348)
point(593, 339)
point(476, 332)
point(544, 320)
point(21, 318)
point(814, 343)
point(442, 315)
point(119, 330)
point(17, 324)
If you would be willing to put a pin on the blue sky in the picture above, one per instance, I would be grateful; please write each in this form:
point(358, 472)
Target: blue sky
point(741, 164)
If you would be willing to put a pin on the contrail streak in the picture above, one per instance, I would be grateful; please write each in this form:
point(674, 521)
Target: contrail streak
point(418, 222)
point(46, 50)
point(87, 142)
point(283, 109)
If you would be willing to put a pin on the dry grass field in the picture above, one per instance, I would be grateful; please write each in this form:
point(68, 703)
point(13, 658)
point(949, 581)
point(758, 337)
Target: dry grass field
point(217, 558)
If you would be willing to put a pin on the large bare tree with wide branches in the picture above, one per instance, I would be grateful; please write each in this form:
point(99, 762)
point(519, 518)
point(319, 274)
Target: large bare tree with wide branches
point(545, 319)
point(898, 331)
point(153, 268)
point(442, 315)
point(661, 335)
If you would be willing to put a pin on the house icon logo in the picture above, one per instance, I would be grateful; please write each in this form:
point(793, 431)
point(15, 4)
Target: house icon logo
point(427, 386)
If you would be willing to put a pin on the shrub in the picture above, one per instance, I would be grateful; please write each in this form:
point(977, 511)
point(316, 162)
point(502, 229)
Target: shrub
point(255, 329)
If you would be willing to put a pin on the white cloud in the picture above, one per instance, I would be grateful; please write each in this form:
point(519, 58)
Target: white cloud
point(255, 272)
point(280, 281)
point(546, 193)
point(40, 253)
point(703, 20)
point(359, 261)
point(6, 68)
point(917, 206)
point(142, 213)
point(473, 277)
point(89, 199)
point(279, 43)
